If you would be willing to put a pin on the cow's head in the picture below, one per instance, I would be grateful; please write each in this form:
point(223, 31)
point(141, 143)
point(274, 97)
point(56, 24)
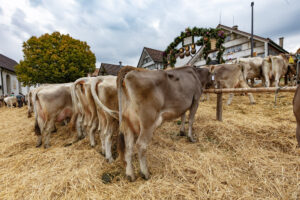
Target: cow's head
point(205, 77)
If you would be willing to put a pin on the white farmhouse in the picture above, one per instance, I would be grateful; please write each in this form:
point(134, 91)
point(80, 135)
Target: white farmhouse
point(8, 79)
point(151, 59)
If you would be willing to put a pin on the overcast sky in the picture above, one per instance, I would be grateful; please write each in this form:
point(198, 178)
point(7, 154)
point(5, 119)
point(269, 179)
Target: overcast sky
point(119, 29)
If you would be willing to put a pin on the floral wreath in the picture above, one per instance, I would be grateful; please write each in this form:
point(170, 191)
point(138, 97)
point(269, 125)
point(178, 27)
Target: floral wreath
point(206, 34)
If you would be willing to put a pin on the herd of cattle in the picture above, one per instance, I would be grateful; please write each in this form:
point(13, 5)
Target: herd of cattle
point(137, 101)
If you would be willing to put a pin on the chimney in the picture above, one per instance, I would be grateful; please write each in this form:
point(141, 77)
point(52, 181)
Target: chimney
point(120, 64)
point(281, 42)
point(235, 27)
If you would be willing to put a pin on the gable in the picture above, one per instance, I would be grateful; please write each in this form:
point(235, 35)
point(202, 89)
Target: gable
point(145, 58)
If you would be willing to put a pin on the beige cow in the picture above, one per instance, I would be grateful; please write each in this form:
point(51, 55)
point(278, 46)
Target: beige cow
point(52, 103)
point(274, 67)
point(230, 76)
point(251, 67)
point(147, 99)
point(104, 91)
point(84, 108)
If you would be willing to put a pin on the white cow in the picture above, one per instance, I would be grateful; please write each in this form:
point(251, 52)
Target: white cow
point(251, 67)
point(10, 101)
point(274, 67)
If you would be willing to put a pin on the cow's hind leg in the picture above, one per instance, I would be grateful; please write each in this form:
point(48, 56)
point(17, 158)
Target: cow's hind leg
point(129, 141)
point(193, 111)
point(111, 128)
point(49, 127)
point(37, 131)
point(182, 132)
point(79, 130)
point(92, 133)
point(230, 99)
point(142, 143)
point(251, 98)
point(102, 128)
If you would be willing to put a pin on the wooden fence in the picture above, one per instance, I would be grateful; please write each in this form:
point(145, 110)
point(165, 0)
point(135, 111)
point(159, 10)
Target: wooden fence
point(219, 93)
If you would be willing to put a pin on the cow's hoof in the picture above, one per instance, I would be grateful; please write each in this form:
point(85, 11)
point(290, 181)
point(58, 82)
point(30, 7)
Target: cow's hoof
point(80, 137)
point(68, 144)
point(192, 140)
point(130, 178)
point(38, 145)
point(253, 103)
point(182, 133)
point(46, 146)
point(298, 146)
point(92, 145)
point(145, 177)
point(102, 153)
point(109, 160)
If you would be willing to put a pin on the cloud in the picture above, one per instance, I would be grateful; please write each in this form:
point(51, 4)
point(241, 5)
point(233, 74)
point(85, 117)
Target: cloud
point(118, 30)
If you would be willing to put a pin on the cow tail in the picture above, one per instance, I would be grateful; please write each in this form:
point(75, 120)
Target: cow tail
point(120, 81)
point(94, 84)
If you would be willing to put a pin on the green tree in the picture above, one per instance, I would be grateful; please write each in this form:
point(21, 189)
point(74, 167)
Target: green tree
point(54, 58)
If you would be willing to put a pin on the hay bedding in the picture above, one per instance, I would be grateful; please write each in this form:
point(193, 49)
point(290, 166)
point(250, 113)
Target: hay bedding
point(251, 155)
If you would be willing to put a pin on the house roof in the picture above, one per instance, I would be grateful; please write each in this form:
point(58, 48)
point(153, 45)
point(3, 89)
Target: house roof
point(7, 63)
point(109, 69)
point(156, 55)
point(256, 37)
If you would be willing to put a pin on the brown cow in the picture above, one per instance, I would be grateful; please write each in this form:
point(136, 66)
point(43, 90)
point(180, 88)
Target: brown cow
point(206, 82)
point(147, 99)
point(230, 76)
point(296, 109)
point(53, 103)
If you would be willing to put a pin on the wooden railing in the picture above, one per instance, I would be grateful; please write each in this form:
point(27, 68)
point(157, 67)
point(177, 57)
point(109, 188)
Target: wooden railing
point(219, 93)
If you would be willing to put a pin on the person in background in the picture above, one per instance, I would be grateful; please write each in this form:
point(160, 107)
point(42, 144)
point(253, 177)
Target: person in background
point(20, 98)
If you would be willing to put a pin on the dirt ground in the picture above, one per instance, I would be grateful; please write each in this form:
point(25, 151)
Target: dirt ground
point(250, 155)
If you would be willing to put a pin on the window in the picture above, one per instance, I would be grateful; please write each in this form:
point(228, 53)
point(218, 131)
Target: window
point(233, 49)
point(228, 38)
point(146, 60)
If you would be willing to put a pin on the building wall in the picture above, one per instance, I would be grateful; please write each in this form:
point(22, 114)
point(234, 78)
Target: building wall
point(13, 81)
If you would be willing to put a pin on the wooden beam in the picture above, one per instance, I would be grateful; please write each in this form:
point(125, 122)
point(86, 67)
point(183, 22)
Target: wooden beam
point(251, 90)
point(219, 110)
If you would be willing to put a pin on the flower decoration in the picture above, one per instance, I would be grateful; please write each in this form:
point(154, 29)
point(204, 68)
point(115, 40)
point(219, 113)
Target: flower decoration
point(170, 54)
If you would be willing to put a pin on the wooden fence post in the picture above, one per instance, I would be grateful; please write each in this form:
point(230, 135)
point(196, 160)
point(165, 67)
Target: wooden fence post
point(219, 104)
